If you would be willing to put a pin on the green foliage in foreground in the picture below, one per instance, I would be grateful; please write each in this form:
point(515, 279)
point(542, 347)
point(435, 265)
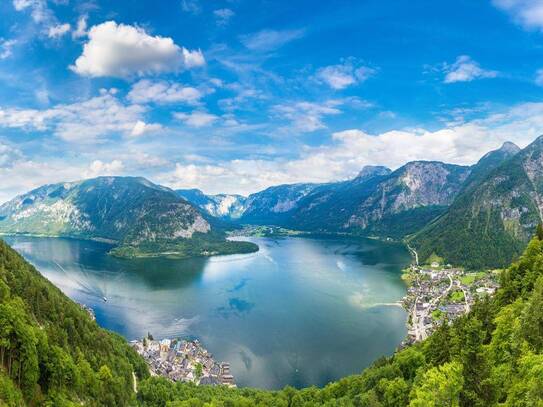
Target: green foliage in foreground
point(51, 352)
point(491, 357)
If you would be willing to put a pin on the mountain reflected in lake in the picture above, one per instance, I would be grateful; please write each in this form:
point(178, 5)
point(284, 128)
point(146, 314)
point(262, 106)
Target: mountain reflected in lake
point(301, 311)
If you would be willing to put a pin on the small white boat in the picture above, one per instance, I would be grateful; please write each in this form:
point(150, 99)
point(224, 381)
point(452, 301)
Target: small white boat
point(104, 299)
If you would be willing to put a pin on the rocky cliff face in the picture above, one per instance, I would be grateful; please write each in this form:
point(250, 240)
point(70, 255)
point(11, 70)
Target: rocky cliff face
point(223, 206)
point(273, 204)
point(122, 209)
point(416, 185)
point(381, 202)
point(493, 218)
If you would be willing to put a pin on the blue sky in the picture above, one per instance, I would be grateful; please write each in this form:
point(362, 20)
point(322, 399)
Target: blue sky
point(237, 95)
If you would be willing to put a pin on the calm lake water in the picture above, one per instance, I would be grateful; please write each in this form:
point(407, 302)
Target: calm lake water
point(302, 311)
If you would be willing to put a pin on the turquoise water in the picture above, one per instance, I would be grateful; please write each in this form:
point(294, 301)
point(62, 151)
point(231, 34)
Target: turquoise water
point(301, 311)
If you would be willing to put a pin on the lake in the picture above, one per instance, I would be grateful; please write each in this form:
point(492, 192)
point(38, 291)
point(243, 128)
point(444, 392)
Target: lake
point(301, 311)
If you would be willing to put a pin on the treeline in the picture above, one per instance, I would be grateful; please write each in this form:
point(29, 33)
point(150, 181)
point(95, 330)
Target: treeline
point(492, 356)
point(212, 243)
point(53, 353)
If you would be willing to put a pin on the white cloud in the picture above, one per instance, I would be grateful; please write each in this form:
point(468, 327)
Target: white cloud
point(466, 69)
point(141, 128)
point(42, 96)
point(146, 91)
point(306, 116)
point(58, 30)
point(352, 149)
point(344, 75)
point(40, 13)
point(244, 93)
point(81, 29)
point(269, 40)
point(98, 168)
point(191, 6)
point(85, 122)
point(193, 59)
point(8, 155)
point(223, 16)
point(528, 13)
point(196, 118)
point(123, 51)
point(6, 48)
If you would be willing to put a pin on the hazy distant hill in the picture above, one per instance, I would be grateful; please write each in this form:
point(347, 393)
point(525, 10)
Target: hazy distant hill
point(224, 206)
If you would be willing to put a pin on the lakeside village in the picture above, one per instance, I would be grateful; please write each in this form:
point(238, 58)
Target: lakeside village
point(183, 361)
point(437, 291)
point(180, 360)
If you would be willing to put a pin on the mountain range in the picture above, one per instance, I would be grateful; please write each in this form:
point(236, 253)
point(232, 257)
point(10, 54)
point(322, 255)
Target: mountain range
point(137, 216)
point(476, 216)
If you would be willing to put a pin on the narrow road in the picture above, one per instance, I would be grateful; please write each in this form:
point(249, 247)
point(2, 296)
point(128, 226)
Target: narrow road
point(134, 382)
point(414, 253)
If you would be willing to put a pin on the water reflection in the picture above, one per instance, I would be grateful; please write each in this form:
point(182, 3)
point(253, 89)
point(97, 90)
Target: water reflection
point(299, 312)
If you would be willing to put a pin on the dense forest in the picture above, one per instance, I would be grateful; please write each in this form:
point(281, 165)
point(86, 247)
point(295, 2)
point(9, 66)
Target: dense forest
point(52, 353)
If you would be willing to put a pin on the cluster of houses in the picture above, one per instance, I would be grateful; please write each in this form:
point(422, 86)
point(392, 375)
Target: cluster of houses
point(183, 361)
point(442, 292)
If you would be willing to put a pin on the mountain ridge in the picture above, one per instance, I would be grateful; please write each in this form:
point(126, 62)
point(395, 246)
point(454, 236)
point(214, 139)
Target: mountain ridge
point(141, 218)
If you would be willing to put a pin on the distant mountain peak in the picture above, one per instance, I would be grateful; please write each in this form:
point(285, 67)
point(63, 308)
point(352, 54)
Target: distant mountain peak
point(509, 147)
point(370, 171)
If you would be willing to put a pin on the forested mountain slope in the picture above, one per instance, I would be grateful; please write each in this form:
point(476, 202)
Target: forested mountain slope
point(50, 349)
point(383, 203)
point(490, 222)
point(53, 354)
point(492, 356)
point(140, 217)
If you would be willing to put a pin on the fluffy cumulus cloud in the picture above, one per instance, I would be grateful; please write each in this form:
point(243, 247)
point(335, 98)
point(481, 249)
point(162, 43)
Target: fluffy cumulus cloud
point(141, 128)
point(98, 167)
point(344, 75)
point(162, 92)
point(269, 40)
point(307, 116)
point(463, 143)
point(123, 51)
point(528, 13)
point(196, 118)
point(84, 122)
point(465, 69)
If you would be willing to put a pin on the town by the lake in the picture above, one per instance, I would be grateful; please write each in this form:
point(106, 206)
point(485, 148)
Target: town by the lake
point(183, 361)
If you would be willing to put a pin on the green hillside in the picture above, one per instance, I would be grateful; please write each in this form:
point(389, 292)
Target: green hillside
point(50, 349)
point(53, 354)
point(492, 219)
point(139, 217)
